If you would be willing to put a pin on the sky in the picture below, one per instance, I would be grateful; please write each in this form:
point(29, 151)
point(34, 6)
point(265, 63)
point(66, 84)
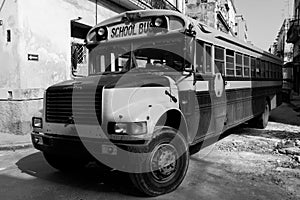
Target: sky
point(264, 19)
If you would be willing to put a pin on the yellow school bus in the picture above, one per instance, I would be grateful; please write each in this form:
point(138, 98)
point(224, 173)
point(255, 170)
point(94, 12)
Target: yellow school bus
point(159, 84)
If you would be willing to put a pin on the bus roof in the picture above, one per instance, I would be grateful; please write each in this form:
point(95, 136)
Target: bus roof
point(143, 13)
point(203, 32)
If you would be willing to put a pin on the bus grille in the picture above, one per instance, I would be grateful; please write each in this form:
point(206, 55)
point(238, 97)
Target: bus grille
point(69, 107)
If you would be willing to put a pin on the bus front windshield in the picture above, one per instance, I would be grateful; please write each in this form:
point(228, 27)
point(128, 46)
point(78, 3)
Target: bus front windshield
point(160, 55)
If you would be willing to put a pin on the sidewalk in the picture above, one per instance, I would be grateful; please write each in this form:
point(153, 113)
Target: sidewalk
point(13, 142)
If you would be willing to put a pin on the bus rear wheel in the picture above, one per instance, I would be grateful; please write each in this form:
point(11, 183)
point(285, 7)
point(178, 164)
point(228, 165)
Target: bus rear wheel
point(165, 166)
point(262, 120)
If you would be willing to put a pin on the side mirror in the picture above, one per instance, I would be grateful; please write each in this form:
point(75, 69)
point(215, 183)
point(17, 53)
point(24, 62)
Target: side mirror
point(79, 65)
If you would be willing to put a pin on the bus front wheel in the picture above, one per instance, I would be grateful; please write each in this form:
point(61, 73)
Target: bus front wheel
point(165, 166)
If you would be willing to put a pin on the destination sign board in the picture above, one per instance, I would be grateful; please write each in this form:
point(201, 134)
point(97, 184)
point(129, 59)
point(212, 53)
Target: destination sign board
point(129, 30)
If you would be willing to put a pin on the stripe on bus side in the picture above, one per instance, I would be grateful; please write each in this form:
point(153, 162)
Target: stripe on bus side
point(251, 84)
point(204, 85)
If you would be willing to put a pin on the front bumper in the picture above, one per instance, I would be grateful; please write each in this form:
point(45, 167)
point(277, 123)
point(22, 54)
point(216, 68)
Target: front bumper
point(111, 153)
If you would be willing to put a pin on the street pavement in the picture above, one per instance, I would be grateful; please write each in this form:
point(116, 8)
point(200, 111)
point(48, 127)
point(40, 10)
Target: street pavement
point(229, 170)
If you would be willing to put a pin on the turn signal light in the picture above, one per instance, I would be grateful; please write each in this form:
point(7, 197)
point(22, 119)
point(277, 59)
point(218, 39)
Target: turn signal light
point(37, 122)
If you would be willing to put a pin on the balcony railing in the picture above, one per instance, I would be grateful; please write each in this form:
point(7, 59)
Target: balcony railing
point(293, 34)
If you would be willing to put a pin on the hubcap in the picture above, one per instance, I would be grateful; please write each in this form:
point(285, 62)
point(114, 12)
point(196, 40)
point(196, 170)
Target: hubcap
point(164, 162)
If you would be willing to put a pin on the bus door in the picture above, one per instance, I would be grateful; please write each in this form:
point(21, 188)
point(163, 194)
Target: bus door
point(209, 87)
point(218, 90)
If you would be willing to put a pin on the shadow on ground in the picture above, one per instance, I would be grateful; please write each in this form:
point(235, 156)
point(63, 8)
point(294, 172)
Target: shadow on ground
point(92, 178)
point(287, 114)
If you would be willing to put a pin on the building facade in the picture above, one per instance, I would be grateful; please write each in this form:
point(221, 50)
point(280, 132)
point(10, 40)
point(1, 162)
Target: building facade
point(219, 14)
point(284, 50)
point(37, 41)
point(241, 29)
point(293, 37)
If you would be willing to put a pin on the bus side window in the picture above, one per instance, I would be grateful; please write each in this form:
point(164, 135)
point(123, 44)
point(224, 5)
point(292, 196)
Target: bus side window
point(272, 70)
point(199, 57)
point(238, 64)
point(268, 70)
point(258, 67)
point(253, 67)
point(246, 66)
point(262, 71)
point(208, 58)
point(219, 60)
point(229, 62)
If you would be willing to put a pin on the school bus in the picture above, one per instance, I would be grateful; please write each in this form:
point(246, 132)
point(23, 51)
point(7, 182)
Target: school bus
point(159, 84)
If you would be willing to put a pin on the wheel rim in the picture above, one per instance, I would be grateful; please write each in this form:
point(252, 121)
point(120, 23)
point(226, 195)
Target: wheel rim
point(164, 162)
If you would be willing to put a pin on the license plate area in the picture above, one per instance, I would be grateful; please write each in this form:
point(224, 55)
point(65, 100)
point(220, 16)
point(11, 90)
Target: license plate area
point(109, 149)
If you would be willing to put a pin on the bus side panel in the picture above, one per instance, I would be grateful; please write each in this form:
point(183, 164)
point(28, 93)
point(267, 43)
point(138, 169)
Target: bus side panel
point(205, 108)
point(239, 105)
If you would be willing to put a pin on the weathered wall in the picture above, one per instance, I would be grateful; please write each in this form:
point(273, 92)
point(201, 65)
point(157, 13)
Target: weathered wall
point(231, 15)
point(46, 33)
point(9, 64)
point(40, 28)
point(204, 12)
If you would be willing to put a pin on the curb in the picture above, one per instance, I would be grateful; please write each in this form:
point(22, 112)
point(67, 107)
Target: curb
point(14, 147)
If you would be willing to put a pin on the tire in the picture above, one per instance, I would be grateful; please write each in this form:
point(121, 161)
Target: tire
point(64, 163)
point(262, 120)
point(166, 163)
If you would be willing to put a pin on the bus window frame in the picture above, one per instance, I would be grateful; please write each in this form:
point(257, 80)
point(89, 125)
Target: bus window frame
point(205, 58)
point(233, 57)
point(253, 66)
point(200, 70)
point(248, 66)
point(219, 60)
point(238, 65)
point(258, 68)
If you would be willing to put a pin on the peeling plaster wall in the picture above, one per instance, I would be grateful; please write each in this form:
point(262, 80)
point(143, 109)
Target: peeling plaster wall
point(204, 12)
point(45, 27)
point(9, 55)
point(42, 28)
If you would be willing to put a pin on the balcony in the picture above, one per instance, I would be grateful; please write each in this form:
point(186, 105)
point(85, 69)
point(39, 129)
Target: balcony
point(293, 34)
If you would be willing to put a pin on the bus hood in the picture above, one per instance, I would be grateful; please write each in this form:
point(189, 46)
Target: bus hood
point(127, 80)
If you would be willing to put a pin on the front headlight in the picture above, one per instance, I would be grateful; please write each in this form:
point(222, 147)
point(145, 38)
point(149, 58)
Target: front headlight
point(37, 122)
point(128, 128)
